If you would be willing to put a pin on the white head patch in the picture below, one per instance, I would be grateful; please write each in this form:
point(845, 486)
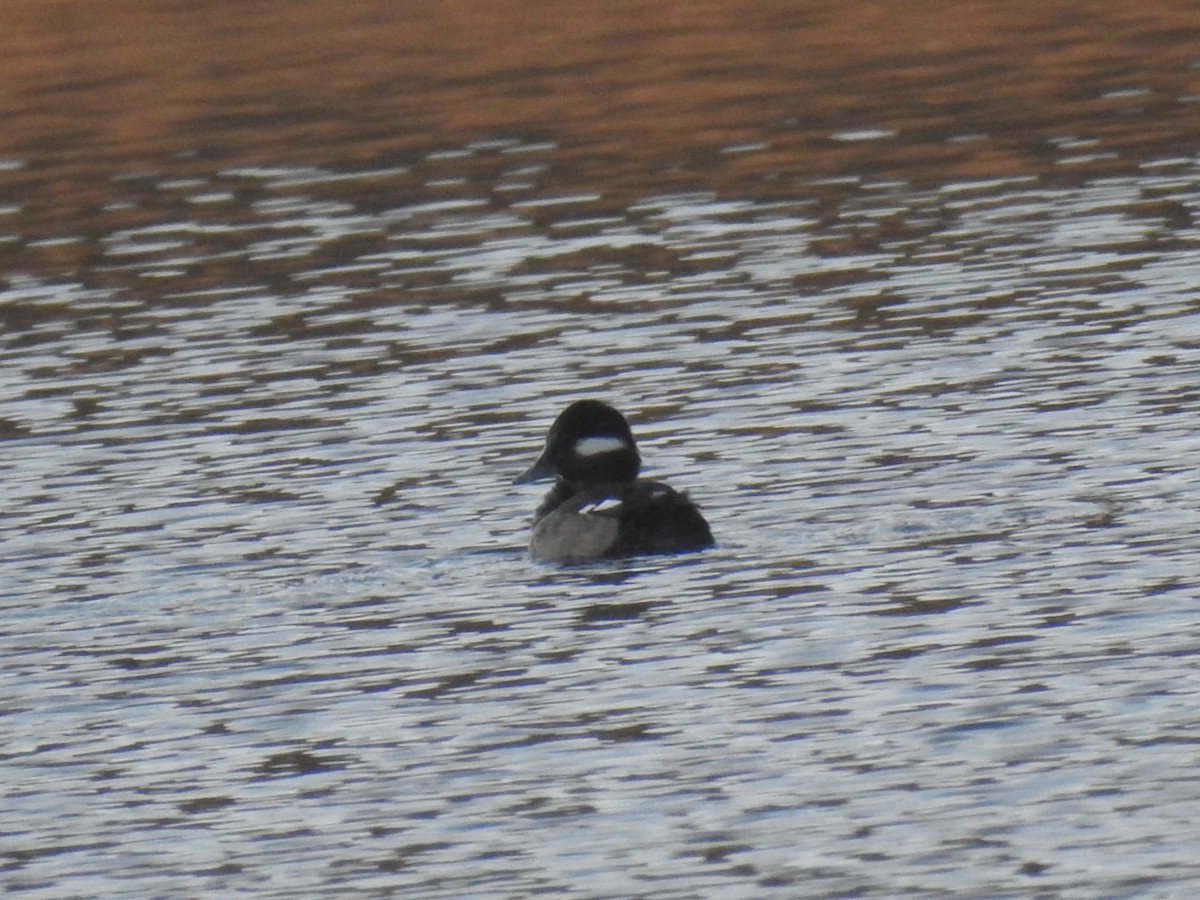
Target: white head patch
point(598, 444)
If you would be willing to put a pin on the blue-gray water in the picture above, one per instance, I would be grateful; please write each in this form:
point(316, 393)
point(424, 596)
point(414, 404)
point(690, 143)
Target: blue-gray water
point(268, 626)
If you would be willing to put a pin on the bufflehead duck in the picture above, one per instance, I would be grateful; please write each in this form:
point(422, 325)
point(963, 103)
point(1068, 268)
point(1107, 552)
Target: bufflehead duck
point(598, 507)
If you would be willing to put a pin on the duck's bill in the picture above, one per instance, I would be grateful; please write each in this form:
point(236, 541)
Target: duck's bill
point(539, 471)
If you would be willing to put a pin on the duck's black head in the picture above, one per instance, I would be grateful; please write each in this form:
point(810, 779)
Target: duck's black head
point(589, 443)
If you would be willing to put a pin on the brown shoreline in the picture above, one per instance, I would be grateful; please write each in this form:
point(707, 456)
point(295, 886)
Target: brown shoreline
point(645, 94)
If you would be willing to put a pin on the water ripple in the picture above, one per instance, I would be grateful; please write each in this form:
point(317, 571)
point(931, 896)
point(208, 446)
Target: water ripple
point(267, 588)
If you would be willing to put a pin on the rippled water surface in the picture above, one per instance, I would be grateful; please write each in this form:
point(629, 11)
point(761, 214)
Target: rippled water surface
point(268, 623)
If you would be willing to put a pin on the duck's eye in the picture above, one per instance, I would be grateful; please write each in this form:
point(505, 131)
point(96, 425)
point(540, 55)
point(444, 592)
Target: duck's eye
point(596, 445)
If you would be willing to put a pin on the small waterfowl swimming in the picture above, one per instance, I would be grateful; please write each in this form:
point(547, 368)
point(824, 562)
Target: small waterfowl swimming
point(598, 507)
